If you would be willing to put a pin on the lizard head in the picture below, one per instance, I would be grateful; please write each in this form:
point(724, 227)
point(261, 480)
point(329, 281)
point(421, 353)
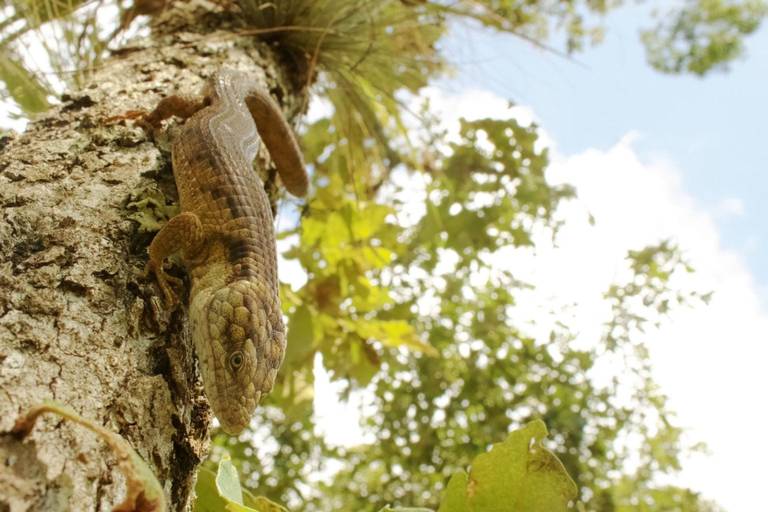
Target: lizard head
point(240, 342)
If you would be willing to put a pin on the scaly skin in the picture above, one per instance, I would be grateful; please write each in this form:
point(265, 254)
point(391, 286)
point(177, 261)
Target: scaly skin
point(226, 236)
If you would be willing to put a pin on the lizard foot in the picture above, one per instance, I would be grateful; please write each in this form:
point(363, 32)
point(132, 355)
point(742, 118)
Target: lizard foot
point(164, 280)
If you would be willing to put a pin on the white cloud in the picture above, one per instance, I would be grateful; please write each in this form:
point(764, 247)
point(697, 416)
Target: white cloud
point(709, 359)
point(475, 104)
point(478, 104)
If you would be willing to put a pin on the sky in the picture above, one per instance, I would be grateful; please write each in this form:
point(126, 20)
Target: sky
point(712, 128)
point(652, 157)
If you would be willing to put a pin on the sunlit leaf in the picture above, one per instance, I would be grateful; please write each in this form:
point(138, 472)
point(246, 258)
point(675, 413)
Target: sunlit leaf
point(517, 475)
point(393, 333)
point(220, 491)
point(22, 85)
point(227, 481)
point(405, 509)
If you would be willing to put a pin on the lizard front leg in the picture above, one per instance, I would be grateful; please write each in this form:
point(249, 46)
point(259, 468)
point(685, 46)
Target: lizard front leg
point(175, 105)
point(184, 232)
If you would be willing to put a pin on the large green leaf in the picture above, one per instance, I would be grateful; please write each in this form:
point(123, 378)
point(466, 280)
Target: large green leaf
point(222, 492)
point(517, 475)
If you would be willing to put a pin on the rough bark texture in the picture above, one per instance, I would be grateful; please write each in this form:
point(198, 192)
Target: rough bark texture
point(78, 323)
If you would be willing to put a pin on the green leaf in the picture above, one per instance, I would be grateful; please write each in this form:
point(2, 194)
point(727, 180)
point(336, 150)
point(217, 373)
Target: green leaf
point(455, 496)
point(368, 221)
point(405, 509)
point(335, 238)
point(300, 336)
point(393, 333)
point(296, 394)
point(363, 368)
point(227, 481)
point(208, 499)
point(517, 475)
point(221, 491)
point(367, 296)
point(703, 35)
point(311, 231)
point(262, 504)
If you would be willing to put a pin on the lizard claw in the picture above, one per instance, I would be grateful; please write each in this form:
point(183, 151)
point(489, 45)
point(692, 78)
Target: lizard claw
point(141, 118)
point(163, 280)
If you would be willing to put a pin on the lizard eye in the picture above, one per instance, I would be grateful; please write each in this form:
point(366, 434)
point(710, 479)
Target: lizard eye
point(236, 360)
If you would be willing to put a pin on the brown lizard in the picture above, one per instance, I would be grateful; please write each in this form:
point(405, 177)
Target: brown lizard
point(226, 237)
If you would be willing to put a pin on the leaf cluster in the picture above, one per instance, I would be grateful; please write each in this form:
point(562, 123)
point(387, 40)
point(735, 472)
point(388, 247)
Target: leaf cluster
point(703, 35)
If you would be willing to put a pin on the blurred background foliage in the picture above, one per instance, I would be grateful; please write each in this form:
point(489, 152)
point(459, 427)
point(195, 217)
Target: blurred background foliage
point(403, 303)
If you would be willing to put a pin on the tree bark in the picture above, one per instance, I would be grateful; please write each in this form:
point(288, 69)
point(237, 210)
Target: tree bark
point(78, 323)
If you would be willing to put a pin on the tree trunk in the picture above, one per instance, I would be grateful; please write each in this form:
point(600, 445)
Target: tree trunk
point(78, 323)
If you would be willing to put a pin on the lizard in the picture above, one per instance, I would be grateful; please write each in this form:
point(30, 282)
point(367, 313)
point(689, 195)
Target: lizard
point(225, 236)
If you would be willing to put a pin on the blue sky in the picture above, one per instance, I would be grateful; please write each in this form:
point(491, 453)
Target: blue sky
point(712, 128)
point(652, 156)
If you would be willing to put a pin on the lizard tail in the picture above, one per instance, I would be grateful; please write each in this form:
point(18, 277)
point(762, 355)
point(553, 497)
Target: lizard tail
point(280, 141)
